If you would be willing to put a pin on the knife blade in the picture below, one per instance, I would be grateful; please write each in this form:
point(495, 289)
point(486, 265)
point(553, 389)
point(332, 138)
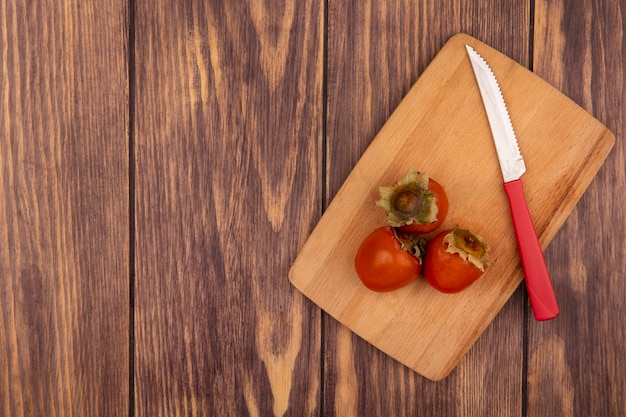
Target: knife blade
point(536, 276)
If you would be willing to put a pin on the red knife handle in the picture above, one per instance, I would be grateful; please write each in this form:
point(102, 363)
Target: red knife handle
point(536, 276)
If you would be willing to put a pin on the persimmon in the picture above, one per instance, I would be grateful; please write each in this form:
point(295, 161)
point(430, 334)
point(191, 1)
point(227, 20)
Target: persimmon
point(388, 259)
point(455, 259)
point(416, 203)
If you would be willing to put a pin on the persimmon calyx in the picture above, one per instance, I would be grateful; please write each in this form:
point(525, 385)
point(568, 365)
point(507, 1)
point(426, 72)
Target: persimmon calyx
point(413, 244)
point(469, 246)
point(409, 200)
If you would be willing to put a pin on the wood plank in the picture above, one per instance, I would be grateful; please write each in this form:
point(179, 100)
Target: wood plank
point(576, 363)
point(376, 52)
point(228, 168)
point(64, 212)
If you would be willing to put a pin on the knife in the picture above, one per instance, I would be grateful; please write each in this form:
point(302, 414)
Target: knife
point(537, 278)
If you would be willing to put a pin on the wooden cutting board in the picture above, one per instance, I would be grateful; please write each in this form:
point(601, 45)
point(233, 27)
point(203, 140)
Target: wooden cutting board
point(441, 128)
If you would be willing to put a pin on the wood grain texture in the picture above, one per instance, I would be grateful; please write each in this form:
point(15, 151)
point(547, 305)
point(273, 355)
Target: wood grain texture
point(228, 163)
point(441, 128)
point(64, 225)
point(376, 51)
point(248, 116)
point(576, 363)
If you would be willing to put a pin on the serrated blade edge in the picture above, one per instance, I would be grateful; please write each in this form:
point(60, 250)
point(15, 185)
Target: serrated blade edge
point(509, 155)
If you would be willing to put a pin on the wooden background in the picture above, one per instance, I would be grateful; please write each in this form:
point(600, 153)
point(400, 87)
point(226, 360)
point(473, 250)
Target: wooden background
point(162, 163)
